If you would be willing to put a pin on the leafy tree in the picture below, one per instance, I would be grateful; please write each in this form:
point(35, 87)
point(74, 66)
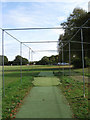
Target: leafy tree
point(48, 60)
point(17, 60)
point(76, 19)
point(52, 59)
point(44, 61)
point(5, 60)
point(24, 61)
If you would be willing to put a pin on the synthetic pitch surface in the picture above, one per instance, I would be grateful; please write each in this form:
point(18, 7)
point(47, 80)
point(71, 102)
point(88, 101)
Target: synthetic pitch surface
point(45, 99)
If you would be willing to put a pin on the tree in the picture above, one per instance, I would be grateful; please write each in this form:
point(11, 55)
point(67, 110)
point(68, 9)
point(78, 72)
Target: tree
point(76, 19)
point(52, 59)
point(48, 60)
point(44, 61)
point(17, 60)
point(24, 61)
point(5, 60)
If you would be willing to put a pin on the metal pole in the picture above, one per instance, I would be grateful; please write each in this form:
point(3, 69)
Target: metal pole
point(62, 59)
point(21, 60)
point(29, 55)
point(29, 59)
point(83, 61)
point(69, 60)
point(3, 62)
point(59, 60)
point(32, 55)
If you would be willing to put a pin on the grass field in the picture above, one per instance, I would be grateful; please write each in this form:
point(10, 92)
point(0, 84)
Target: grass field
point(86, 70)
point(73, 90)
point(15, 91)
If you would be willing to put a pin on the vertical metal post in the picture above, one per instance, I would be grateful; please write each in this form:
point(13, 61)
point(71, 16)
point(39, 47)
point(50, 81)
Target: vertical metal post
point(59, 57)
point(3, 62)
point(21, 60)
point(29, 60)
point(32, 55)
point(69, 60)
point(62, 59)
point(83, 62)
point(29, 55)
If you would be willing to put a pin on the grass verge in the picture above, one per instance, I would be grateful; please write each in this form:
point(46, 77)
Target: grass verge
point(15, 91)
point(73, 91)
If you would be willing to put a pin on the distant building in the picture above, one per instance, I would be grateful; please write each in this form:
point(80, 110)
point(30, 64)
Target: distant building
point(89, 6)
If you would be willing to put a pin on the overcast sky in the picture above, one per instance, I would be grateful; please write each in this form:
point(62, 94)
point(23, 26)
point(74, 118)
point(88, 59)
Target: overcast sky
point(35, 14)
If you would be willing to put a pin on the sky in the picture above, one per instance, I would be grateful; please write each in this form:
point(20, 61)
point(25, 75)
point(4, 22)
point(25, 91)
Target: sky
point(35, 13)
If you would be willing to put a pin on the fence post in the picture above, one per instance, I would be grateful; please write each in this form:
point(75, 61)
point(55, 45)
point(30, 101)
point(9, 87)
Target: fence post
point(3, 62)
point(83, 61)
point(69, 59)
point(62, 59)
point(32, 55)
point(29, 60)
point(21, 60)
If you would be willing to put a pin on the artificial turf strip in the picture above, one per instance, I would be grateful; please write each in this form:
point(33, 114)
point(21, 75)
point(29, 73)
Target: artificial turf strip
point(46, 81)
point(45, 101)
point(46, 74)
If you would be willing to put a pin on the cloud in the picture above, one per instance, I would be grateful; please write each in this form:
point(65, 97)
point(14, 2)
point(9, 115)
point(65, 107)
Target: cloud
point(24, 17)
point(61, 18)
point(36, 15)
point(17, 18)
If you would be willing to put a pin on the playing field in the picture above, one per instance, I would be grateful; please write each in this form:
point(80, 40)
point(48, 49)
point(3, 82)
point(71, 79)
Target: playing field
point(16, 89)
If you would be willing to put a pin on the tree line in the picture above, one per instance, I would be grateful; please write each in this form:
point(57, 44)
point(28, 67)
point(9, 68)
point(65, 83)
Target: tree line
point(52, 60)
point(16, 61)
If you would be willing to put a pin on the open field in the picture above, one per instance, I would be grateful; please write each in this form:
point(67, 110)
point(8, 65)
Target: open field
point(15, 91)
point(86, 70)
point(34, 67)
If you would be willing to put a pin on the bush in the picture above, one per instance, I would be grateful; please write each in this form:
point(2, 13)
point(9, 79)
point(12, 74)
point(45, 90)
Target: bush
point(87, 60)
point(77, 62)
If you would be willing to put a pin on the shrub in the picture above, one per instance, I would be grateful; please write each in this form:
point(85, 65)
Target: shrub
point(77, 62)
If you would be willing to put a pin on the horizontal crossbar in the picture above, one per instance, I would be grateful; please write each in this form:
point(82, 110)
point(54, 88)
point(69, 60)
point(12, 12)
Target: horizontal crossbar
point(43, 28)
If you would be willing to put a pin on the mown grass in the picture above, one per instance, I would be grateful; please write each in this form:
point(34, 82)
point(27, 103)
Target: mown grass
point(73, 90)
point(33, 67)
point(86, 71)
point(15, 91)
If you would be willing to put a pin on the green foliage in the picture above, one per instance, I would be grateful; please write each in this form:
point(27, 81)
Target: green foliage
point(5, 60)
point(15, 91)
point(48, 60)
point(77, 63)
point(87, 60)
point(76, 19)
point(17, 60)
point(73, 91)
point(43, 61)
